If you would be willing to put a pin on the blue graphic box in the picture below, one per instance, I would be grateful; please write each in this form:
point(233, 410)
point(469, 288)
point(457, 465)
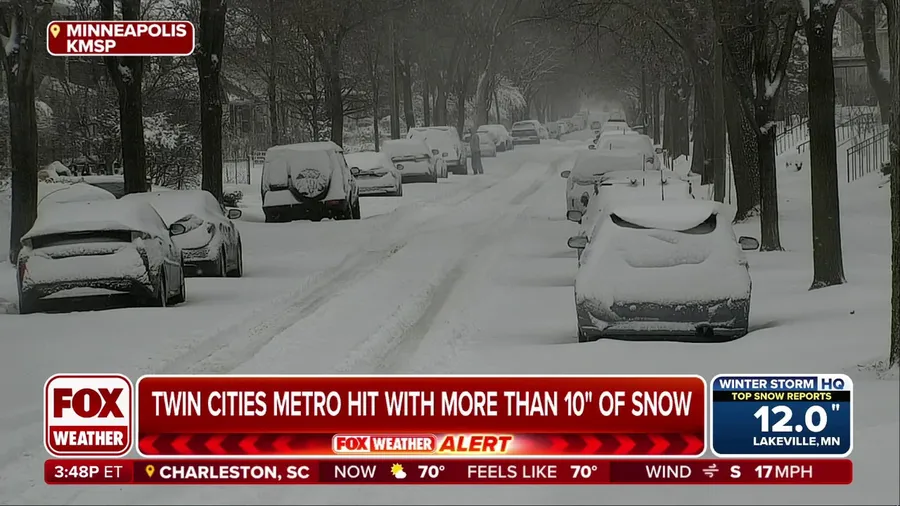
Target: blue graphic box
point(775, 415)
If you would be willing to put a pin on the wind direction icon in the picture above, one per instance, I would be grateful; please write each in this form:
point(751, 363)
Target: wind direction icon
point(711, 471)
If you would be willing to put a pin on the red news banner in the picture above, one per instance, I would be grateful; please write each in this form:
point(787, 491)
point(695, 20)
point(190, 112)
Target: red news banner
point(412, 471)
point(120, 38)
point(453, 416)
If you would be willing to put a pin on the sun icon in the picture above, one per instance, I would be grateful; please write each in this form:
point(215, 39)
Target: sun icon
point(398, 472)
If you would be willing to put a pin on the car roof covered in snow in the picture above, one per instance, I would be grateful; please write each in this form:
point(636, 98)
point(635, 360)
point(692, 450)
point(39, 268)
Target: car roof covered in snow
point(62, 193)
point(174, 205)
point(366, 160)
point(494, 126)
point(406, 147)
point(306, 147)
point(641, 177)
point(591, 163)
point(673, 215)
point(96, 216)
point(613, 142)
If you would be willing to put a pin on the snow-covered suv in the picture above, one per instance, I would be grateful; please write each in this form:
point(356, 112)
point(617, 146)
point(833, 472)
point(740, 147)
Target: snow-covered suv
point(309, 180)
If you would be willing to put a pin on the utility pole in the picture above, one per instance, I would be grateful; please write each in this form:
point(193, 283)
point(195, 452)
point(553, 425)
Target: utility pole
point(718, 135)
point(395, 99)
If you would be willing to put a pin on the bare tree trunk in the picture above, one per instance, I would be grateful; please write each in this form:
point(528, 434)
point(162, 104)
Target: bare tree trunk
point(440, 104)
point(828, 263)
point(669, 122)
point(482, 92)
point(409, 114)
point(335, 95)
point(744, 153)
point(127, 74)
point(18, 37)
point(656, 112)
point(717, 128)
point(271, 87)
point(701, 152)
point(770, 234)
point(376, 89)
point(209, 66)
point(395, 97)
point(894, 30)
point(866, 17)
point(426, 101)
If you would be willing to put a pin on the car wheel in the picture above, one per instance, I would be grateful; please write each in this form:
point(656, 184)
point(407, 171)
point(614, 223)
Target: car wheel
point(182, 293)
point(27, 305)
point(270, 217)
point(161, 297)
point(238, 270)
point(356, 213)
point(582, 337)
point(222, 264)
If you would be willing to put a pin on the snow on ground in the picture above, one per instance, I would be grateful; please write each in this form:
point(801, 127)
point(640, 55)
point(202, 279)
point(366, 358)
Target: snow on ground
point(471, 275)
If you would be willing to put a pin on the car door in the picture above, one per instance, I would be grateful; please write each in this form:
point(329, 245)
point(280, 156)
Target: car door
point(172, 263)
point(224, 227)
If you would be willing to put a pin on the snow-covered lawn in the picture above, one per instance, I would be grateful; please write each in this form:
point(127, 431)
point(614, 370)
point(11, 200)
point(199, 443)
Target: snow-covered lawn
point(471, 275)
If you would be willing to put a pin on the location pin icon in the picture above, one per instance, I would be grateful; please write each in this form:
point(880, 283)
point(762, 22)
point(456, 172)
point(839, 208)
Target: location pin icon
point(150, 469)
point(54, 31)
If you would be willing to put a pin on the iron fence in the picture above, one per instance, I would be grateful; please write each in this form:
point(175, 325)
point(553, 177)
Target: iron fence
point(791, 137)
point(237, 170)
point(867, 156)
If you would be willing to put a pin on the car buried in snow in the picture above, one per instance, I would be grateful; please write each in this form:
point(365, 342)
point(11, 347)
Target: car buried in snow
point(414, 159)
point(445, 142)
point(210, 242)
point(583, 180)
point(377, 174)
point(667, 269)
point(103, 248)
point(631, 141)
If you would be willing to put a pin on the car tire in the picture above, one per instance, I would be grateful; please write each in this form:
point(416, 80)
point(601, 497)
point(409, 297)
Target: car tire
point(238, 271)
point(182, 293)
point(582, 337)
point(355, 211)
point(27, 306)
point(434, 179)
point(222, 264)
point(161, 297)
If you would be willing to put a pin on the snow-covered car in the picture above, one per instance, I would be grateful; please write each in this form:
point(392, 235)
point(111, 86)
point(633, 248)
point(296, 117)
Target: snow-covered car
point(446, 141)
point(99, 248)
point(526, 132)
point(504, 140)
point(413, 158)
point(626, 187)
point(631, 141)
point(487, 144)
point(584, 179)
point(63, 193)
point(209, 241)
point(666, 269)
point(310, 180)
point(377, 174)
point(614, 126)
point(553, 130)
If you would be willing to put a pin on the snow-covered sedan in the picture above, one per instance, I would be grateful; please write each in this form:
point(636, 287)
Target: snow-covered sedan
point(210, 242)
point(445, 140)
point(376, 174)
point(64, 193)
point(99, 248)
point(667, 269)
point(632, 141)
point(526, 132)
point(413, 158)
point(588, 172)
point(504, 140)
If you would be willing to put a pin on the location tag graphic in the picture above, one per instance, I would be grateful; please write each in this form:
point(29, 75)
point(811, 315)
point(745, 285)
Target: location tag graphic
point(150, 469)
point(54, 30)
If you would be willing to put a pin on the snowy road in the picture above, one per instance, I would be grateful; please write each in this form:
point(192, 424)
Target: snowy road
point(470, 275)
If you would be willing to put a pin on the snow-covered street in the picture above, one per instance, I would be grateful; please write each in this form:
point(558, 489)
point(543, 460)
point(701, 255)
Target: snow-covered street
point(471, 275)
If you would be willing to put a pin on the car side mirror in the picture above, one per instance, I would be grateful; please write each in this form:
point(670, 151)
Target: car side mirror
point(574, 216)
point(434, 151)
point(234, 214)
point(565, 174)
point(748, 243)
point(578, 242)
point(177, 229)
point(355, 171)
point(659, 151)
point(444, 155)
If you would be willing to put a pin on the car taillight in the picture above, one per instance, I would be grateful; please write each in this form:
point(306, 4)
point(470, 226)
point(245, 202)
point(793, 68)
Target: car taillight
point(23, 268)
point(650, 159)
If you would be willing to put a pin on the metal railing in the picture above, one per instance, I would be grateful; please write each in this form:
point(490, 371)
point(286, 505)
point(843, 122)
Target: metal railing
point(867, 156)
point(792, 136)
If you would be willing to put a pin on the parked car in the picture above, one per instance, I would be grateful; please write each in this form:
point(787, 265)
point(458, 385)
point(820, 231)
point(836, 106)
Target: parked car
point(502, 137)
point(639, 143)
point(310, 180)
point(553, 130)
point(99, 248)
point(413, 158)
point(446, 141)
point(209, 241)
point(639, 273)
point(377, 174)
point(487, 144)
point(587, 173)
point(614, 124)
point(526, 132)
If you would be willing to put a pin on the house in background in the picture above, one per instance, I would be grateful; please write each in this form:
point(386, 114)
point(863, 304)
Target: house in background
point(851, 81)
